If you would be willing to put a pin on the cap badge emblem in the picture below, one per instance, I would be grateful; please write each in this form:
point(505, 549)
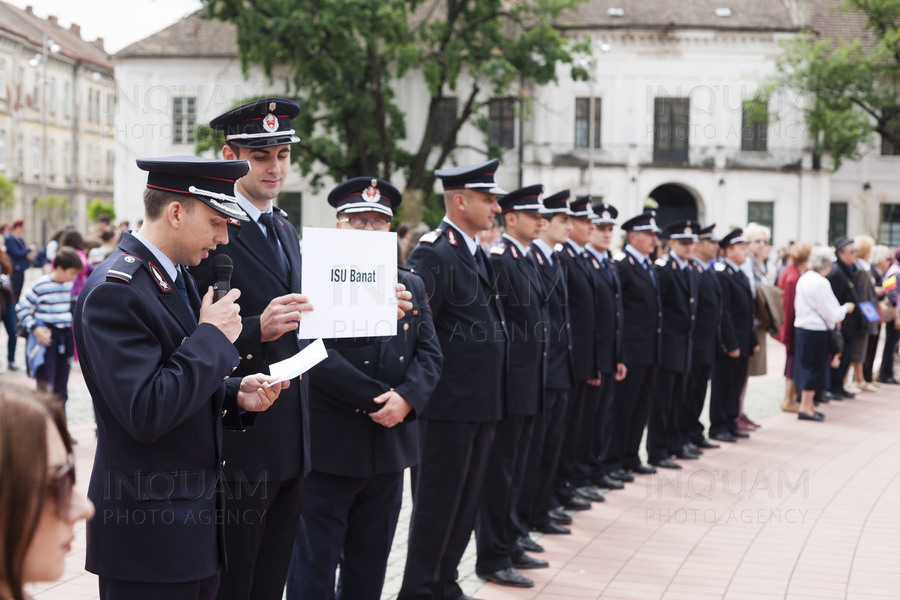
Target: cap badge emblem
point(129, 259)
point(687, 231)
point(371, 193)
point(653, 223)
point(606, 214)
point(270, 123)
point(271, 106)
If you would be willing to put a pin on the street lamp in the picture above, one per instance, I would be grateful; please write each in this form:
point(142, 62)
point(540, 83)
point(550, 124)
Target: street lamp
point(48, 46)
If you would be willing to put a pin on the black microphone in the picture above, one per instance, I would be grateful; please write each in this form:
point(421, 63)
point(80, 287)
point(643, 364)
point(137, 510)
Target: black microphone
point(222, 266)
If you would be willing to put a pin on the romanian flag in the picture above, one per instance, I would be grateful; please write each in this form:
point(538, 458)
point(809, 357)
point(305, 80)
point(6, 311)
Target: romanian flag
point(890, 283)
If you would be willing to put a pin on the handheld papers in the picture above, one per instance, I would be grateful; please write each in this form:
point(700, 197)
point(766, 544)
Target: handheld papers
point(349, 277)
point(299, 363)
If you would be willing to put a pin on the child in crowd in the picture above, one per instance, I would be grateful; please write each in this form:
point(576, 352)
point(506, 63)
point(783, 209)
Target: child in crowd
point(46, 313)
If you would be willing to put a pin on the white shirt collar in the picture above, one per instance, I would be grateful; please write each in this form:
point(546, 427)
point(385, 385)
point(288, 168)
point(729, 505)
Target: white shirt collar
point(641, 258)
point(702, 263)
point(251, 209)
point(470, 242)
point(545, 249)
point(601, 256)
point(682, 264)
point(164, 261)
point(521, 248)
point(578, 249)
point(731, 264)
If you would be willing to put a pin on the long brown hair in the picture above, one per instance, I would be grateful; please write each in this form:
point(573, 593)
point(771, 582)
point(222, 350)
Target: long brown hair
point(23, 474)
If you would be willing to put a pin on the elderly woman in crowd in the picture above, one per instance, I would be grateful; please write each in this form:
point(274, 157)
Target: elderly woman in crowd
point(879, 261)
point(798, 255)
point(865, 289)
point(816, 310)
point(891, 325)
point(38, 509)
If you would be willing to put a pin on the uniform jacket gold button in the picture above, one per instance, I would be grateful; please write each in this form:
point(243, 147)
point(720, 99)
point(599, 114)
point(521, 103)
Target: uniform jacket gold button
point(405, 326)
point(401, 359)
point(249, 357)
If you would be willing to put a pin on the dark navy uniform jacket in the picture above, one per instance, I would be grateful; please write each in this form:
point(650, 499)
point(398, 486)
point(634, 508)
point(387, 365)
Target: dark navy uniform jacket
point(678, 295)
point(737, 310)
point(561, 361)
point(709, 317)
point(583, 313)
point(845, 290)
point(610, 313)
point(345, 441)
point(528, 324)
point(643, 312)
point(157, 382)
point(277, 448)
point(469, 322)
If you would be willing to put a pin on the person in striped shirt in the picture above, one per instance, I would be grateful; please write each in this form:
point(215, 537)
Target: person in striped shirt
point(46, 312)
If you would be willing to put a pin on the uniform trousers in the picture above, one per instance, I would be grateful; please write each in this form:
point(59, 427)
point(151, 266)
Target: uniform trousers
point(725, 402)
point(588, 432)
point(566, 473)
point(116, 589)
point(53, 375)
point(632, 400)
point(891, 336)
point(604, 427)
point(348, 521)
point(542, 463)
point(260, 524)
point(662, 430)
point(496, 527)
point(447, 486)
point(695, 396)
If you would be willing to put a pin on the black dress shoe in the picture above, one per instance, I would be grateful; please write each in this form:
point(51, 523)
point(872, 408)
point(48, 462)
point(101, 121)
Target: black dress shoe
point(890, 380)
point(552, 528)
point(665, 463)
point(724, 437)
point(622, 475)
point(609, 483)
point(816, 416)
point(693, 448)
point(847, 394)
point(529, 562)
point(740, 434)
point(704, 443)
point(529, 545)
point(576, 503)
point(509, 577)
point(686, 454)
point(643, 470)
point(827, 396)
point(588, 493)
point(558, 516)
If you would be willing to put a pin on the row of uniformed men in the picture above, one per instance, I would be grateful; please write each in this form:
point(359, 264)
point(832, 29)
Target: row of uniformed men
point(556, 357)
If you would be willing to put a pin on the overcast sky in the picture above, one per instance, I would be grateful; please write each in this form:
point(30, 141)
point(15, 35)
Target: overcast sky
point(118, 22)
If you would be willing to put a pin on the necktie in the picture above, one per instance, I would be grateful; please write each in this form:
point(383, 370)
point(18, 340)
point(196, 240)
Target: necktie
point(182, 289)
point(649, 269)
point(481, 262)
point(268, 221)
point(606, 269)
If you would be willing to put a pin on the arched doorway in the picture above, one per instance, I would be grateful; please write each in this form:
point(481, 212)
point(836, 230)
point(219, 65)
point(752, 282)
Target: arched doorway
point(676, 203)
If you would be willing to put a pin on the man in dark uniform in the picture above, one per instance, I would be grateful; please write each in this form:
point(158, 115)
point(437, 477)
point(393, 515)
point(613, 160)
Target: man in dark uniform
point(678, 281)
point(738, 340)
point(841, 278)
point(154, 358)
point(364, 400)
point(546, 442)
point(585, 342)
point(643, 316)
point(597, 430)
point(265, 466)
point(524, 304)
point(457, 425)
point(705, 342)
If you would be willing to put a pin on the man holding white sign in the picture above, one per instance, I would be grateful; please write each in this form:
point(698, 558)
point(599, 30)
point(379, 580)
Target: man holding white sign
point(364, 400)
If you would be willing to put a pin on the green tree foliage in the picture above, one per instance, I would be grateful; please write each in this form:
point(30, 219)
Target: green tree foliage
point(54, 210)
point(7, 193)
point(344, 58)
point(852, 83)
point(97, 208)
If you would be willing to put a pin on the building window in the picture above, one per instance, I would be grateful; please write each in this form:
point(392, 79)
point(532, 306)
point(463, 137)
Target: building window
point(2, 79)
point(90, 105)
point(35, 91)
point(503, 119)
point(582, 118)
point(671, 122)
point(762, 213)
point(446, 118)
point(66, 107)
point(837, 220)
point(292, 204)
point(2, 150)
point(184, 118)
point(754, 126)
point(889, 232)
point(110, 166)
point(66, 164)
point(50, 160)
point(50, 90)
point(36, 156)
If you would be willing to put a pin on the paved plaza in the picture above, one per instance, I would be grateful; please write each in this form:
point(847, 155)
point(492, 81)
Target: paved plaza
point(801, 510)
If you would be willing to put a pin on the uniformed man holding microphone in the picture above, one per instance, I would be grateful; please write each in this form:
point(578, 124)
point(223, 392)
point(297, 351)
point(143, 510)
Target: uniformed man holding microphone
point(157, 362)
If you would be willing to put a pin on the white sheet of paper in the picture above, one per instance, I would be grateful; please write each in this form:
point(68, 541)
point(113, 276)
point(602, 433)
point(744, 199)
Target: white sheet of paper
point(299, 363)
point(349, 278)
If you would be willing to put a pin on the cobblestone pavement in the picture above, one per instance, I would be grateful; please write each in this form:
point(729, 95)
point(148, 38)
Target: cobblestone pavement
point(802, 510)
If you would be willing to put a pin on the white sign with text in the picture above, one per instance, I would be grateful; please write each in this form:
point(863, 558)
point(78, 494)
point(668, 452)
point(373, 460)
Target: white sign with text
point(349, 277)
